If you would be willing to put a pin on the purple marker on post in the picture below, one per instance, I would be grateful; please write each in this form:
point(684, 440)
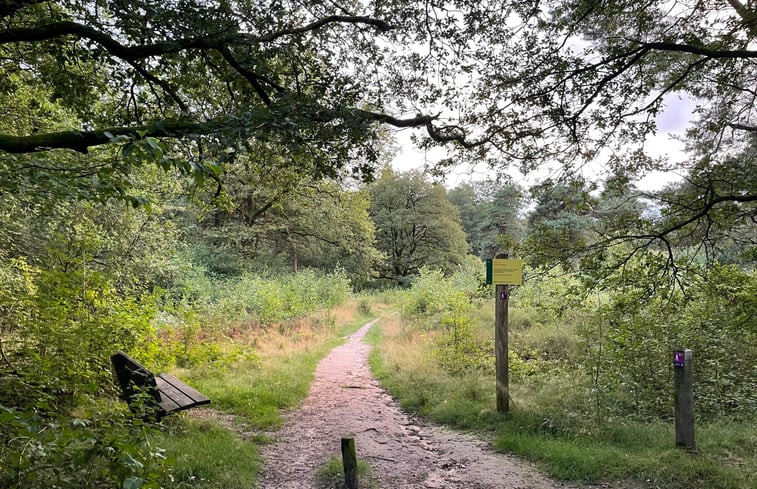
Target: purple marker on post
point(678, 359)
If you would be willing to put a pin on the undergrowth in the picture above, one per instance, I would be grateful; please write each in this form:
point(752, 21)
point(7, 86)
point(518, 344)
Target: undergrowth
point(558, 417)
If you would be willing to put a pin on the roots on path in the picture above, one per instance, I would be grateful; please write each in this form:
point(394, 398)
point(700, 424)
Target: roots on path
point(345, 399)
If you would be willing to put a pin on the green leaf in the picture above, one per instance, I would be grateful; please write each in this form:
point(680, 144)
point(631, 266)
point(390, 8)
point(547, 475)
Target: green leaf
point(215, 169)
point(133, 483)
point(128, 149)
point(133, 463)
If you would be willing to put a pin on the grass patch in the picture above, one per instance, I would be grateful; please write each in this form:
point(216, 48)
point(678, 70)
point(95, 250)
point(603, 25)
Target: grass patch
point(209, 456)
point(331, 475)
point(279, 378)
point(552, 423)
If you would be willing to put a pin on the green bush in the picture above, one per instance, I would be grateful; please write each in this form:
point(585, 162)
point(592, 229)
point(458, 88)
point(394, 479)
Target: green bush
point(628, 344)
point(457, 347)
point(433, 294)
point(59, 328)
point(102, 450)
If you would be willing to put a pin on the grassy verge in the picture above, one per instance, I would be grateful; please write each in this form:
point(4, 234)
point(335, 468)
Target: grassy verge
point(331, 475)
point(549, 425)
point(280, 375)
point(211, 456)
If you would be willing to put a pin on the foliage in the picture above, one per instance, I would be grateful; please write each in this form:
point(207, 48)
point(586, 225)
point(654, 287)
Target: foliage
point(628, 345)
point(560, 222)
point(225, 78)
point(416, 226)
point(551, 420)
point(112, 450)
point(457, 349)
point(208, 94)
point(490, 214)
point(272, 217)
point(59, 330)
point(432, 294)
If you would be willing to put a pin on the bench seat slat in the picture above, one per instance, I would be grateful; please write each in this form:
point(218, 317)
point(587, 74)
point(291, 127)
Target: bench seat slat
point(173, 397)
point(167, 404)
point(196, 397)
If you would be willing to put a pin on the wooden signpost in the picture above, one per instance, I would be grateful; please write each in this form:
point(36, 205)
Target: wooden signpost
point(683, 364)
point(502, 273)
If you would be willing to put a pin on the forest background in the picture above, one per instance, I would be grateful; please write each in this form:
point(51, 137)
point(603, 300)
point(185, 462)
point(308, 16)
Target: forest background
point(206, 186)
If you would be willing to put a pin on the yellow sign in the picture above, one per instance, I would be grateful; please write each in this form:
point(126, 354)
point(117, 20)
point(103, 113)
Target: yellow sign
point(508, 272)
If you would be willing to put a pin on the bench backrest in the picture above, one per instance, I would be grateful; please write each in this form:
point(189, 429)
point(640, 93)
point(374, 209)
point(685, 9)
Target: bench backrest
point(133, 377)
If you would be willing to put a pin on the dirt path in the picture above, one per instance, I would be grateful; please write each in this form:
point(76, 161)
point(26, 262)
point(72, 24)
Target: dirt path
point(346, 399)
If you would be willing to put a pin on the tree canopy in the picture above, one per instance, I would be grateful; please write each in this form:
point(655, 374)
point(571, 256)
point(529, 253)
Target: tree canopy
point(490, 214)
point(211, 76)
point(416, 226)
point(523, 84)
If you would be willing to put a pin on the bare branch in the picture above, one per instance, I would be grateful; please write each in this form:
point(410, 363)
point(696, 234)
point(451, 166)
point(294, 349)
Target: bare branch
point(742, 127)
point(247, 74)
point(332, 19)
point(142, 51)
point(700, 50)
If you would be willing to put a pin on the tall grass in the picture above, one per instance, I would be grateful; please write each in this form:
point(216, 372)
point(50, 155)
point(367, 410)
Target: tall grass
point(208, 456)
point(553, 420)
point(255, 392)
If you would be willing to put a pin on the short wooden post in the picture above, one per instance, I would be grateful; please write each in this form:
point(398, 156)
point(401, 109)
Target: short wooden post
point(349, 460)
point(501, 298)
point(683, 365)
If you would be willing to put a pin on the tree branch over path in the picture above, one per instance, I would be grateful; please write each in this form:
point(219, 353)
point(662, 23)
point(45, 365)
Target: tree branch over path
point(220, 40)
point(179, 128)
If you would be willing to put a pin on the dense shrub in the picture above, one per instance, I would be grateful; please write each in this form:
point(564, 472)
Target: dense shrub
point(59, 327)
point(99, 451)
point(432, 293)
point(629, 343)
point(613, 343)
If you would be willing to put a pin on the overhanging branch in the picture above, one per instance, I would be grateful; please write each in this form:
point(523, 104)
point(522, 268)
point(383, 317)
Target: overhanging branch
point(179, 128)
point(220, 40)
point(81, 140)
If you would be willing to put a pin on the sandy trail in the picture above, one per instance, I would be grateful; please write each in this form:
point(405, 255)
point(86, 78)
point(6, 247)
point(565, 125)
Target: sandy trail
point(345, 399)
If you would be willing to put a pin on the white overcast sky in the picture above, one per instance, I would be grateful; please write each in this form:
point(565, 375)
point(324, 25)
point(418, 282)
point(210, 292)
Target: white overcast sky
point(672, 121)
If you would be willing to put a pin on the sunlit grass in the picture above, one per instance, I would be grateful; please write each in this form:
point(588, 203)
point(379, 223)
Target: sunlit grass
point(282, 370)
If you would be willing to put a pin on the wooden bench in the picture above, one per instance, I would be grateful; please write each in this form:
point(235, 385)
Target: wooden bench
point(168, 394)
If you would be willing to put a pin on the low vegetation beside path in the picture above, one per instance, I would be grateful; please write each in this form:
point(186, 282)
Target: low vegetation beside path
point(590, 381)
point(251, 344)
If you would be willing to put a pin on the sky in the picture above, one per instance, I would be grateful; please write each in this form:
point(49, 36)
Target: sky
point(672, 121)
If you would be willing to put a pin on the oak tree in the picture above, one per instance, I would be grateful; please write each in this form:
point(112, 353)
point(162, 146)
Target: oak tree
point(416, 226)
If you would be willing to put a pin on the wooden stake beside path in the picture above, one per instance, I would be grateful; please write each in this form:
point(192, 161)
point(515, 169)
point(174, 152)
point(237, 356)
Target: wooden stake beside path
point(684, 399)
point(349, 460)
